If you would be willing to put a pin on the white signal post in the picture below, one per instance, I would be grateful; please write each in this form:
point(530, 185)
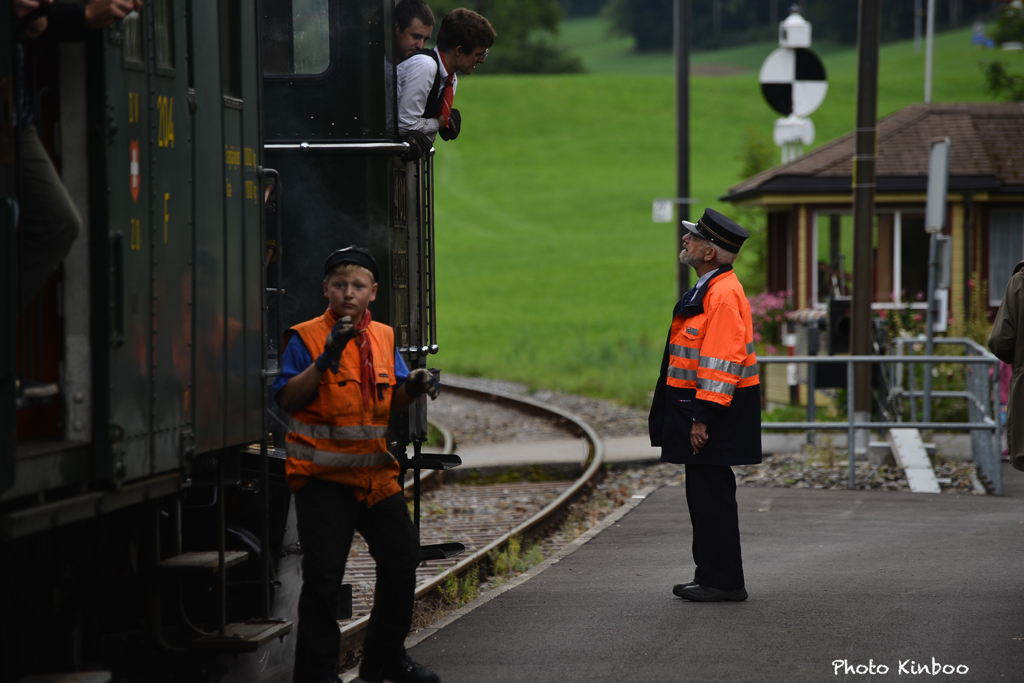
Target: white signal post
point(793, 83)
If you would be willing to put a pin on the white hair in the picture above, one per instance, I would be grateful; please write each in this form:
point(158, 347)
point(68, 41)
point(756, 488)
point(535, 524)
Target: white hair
point(723, 257)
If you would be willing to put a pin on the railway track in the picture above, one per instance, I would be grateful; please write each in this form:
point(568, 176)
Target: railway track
point(483, 518)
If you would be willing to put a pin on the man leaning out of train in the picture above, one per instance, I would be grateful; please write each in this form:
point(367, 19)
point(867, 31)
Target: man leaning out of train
point(342, 475)
point(427, 80)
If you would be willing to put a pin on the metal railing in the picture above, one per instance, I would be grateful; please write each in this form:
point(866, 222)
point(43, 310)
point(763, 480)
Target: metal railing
point(981, 423)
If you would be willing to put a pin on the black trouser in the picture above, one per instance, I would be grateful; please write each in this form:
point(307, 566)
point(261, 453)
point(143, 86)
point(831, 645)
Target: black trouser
point(711, 498)
point(327, 515)
point(49, 222)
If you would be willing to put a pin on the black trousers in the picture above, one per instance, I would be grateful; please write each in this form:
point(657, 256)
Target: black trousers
point(711, 499)
point(327, 515)
point(49, 222)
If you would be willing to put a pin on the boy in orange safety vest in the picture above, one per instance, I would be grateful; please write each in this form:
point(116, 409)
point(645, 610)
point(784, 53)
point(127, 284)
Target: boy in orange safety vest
point(342, 475)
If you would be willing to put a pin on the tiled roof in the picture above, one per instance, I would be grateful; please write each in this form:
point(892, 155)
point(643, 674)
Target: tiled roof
point(987, 141)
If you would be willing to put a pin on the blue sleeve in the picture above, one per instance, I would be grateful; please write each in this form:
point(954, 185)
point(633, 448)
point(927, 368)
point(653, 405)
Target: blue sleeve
point(296, 358)
point(401, 371)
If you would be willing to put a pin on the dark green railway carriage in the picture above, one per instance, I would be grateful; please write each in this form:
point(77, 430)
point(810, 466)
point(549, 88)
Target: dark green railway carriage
point(173, 275)
point(160, 309)
point(157, 441)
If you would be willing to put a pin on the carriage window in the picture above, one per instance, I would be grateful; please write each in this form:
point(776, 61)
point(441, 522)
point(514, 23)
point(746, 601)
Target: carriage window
point(131, 47)
point(296, 37)
point(231, 48)
point(163, 17)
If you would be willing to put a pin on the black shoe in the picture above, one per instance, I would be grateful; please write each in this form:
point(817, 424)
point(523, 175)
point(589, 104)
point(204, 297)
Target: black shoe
point(402, 671)
point(677, 590)
point(706, 594)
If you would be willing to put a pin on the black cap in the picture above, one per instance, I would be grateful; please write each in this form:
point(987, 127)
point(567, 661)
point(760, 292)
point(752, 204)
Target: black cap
point(352, 254)
point(721, 231)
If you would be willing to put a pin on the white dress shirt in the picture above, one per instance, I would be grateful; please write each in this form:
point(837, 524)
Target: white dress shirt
point(415, 76)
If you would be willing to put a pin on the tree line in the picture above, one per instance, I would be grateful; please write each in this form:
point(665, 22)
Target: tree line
point(527, 28)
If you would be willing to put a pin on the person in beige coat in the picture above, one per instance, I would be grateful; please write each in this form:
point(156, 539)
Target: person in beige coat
point(1007, 343)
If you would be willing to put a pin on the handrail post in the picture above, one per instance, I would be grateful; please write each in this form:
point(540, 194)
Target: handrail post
point(913, 391)
point(850, 421)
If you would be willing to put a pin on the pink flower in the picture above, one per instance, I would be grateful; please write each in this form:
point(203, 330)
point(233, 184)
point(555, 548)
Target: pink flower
point(917, 317)
point(771, 350)
point(970, 283)
point(757, 336)
point(920, 296)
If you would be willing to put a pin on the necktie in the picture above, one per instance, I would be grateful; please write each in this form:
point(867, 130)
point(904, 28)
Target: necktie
point(449, 98)
point(449, 93)
point(366, 373)
point(690, 293)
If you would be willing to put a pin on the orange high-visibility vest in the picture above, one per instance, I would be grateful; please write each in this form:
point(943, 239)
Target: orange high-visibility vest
point(713, 351)
point(334, 438)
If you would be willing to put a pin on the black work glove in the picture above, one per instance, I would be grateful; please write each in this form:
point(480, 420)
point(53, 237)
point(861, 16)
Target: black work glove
point(340, 335)
point(419, 144)
point(422, 381)
point(454, 126)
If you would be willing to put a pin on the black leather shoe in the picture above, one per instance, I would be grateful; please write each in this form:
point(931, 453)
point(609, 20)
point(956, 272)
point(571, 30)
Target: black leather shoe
point(678, 588)
point(706, 594)
point(402, 671)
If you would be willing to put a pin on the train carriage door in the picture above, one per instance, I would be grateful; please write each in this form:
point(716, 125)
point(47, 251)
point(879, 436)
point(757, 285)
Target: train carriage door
point(170, 234)
point(8, 267)
point(211, 333)
point(122, 416)
point(141, 298)
point(242, 220)
point(253, 240)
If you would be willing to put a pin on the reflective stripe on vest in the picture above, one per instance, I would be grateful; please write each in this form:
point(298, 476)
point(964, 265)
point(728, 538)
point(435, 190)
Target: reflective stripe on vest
point(712, 352)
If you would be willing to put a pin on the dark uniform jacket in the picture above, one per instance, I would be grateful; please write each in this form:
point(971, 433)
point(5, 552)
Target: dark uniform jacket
point(709, 374)
point(1007, 343)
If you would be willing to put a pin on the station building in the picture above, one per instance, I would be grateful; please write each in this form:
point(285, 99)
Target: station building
point(809, 205)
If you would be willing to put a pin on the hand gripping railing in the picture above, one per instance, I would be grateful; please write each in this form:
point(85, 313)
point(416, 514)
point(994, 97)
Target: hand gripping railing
point(980, 407)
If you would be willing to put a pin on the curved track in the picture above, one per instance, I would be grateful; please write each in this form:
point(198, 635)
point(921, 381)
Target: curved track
point(482, 539)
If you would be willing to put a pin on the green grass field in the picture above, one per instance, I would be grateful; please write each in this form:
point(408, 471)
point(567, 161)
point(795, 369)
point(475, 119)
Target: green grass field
point(551, 271)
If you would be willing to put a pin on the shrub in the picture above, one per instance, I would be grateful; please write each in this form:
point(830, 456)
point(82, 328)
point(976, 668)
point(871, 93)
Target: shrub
point(768, 310)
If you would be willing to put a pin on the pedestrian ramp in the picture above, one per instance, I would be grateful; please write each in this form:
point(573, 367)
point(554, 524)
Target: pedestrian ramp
point(910, 454)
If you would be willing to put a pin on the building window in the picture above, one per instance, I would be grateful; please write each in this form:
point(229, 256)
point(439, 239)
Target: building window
point(900, 273)
point(296, 37)
point(1005, 250)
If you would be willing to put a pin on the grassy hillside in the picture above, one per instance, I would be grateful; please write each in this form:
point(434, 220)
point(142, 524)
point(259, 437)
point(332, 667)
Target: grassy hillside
point(550, 269)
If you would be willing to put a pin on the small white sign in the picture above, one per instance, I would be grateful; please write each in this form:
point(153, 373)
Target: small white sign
point(941, 310)
point(938, 178)
point(661, 211)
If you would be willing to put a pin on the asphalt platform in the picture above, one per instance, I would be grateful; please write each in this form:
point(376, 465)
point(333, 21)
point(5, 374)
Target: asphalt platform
point(866, 579)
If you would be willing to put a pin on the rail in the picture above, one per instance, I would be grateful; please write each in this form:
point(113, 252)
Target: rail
point(983, 427)
point(592, 467)
point(344, 147)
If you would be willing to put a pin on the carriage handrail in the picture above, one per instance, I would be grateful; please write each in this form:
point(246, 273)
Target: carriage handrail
point(387, 147)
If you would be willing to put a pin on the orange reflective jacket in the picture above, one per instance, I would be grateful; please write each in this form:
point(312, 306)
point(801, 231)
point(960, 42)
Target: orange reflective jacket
point(334, 438)
point(712, 350)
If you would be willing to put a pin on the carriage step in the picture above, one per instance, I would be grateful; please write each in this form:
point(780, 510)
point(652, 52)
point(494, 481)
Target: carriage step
point(440, 551)
point(243, 637)
point(77, 677)
point(206, 562)
point(433, 461)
